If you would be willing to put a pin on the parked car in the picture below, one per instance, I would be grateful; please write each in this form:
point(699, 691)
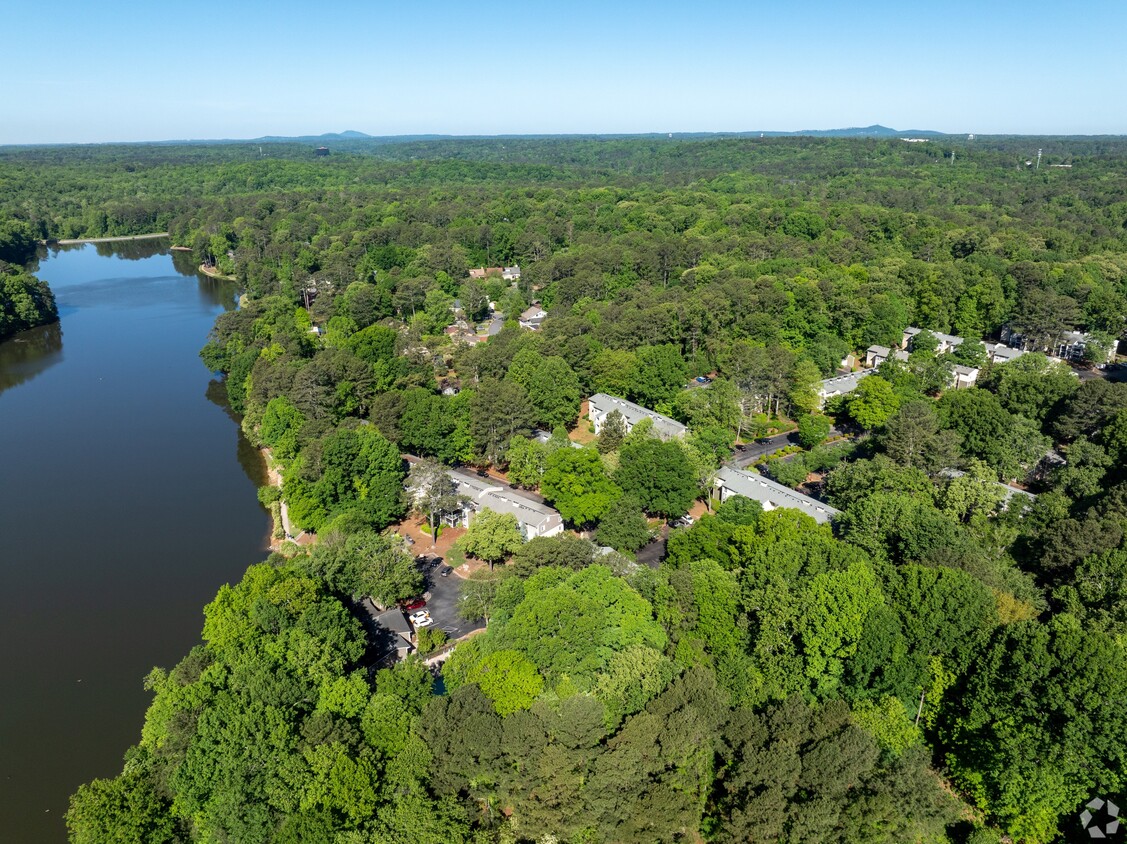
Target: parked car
point(414, 604)
point(421, 619)
point(445, 571)
point(703, 379)
point(684, 521)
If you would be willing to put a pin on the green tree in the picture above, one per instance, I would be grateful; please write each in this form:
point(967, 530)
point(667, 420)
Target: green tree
point(492, 536)
point(1034, 731)
point(281, 424)
point(552, 387)
point(499, 411)
point(571, 623)
point(976, 491)
point(508, 679)
point(658, 475)
point(126, 808)
point(478, 595)
point(528, 460)
point(659, 374)
point(1031, 385)
point(361, 564)
point(612, 434)
point(436, 494)
point(806, 380)
point(812, 430)
point(576, 484)
point(872, 403)
point(624, 526)
point(912, 438)
point(347, 471)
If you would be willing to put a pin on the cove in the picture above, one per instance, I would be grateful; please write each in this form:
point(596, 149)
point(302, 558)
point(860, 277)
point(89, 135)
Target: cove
point(127, 498)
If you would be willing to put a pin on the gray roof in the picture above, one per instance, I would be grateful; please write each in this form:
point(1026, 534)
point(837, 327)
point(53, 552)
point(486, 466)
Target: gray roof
point(999, 352)
point(635, 413)
point(767, 492)
point(844, 383)
point(948, 339)
point(487, 494)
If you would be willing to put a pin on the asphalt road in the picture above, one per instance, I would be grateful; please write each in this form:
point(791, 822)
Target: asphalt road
point(768, 445)
point(442, 603)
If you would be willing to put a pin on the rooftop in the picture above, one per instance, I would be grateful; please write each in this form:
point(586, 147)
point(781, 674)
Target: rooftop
point(491, 495)
point(844, 383)
point(635, 413)
point(766, 491)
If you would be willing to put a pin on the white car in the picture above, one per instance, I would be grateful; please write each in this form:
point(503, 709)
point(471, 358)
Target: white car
point(421, 619)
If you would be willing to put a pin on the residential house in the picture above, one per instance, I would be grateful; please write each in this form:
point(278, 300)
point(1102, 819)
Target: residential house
point(963, 376)
point(1074, 345)
point(1070, 345)
point(947, 342)
point(876, 355)
point(600, 405)
point(510, 273)
point(534, 518)
point(771, 495)
point(532, 317)
point(1001, 353)
point(841, 384)
point(388, 631)
point(477, 272)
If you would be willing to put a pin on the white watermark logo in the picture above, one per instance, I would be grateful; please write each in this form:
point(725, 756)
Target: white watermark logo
point(1100, 818)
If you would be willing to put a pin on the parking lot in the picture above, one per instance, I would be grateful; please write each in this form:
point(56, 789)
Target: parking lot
point(442, 602)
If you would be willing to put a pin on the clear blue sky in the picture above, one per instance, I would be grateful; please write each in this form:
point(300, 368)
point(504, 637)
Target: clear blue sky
point(126, 71)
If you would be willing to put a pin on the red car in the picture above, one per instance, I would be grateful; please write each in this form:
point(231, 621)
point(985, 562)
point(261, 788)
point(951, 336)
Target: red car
point(414, 604)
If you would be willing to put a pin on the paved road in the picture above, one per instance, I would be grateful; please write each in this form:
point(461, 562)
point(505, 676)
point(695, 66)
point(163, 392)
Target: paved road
point(768, 445)
point(1114, 372)
point(442, 603)
point(752, 452)
point(652, 554)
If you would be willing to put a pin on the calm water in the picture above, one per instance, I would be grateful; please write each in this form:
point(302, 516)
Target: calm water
point(127, 497)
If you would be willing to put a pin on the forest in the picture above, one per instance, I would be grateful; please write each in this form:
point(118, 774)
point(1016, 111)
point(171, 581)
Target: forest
point(945, 662)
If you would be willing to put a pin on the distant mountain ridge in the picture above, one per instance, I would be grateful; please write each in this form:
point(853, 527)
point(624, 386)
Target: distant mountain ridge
point(874, 131)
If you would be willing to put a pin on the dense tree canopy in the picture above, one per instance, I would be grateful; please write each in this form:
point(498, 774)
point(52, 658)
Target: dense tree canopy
point(771, 678)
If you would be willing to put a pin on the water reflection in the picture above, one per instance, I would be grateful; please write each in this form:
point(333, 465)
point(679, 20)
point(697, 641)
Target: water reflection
point(250, 458)
point(30, 353)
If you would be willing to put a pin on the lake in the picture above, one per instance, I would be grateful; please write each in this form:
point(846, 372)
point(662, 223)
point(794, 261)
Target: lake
point(127, 498)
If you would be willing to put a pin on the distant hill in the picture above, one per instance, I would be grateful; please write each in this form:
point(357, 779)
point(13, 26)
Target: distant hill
point(348, 135)
point(351, 135)
point(874, 131)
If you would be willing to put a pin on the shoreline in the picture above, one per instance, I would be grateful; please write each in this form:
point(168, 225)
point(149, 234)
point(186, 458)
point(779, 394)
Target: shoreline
point(211, 273)
point(73, 241)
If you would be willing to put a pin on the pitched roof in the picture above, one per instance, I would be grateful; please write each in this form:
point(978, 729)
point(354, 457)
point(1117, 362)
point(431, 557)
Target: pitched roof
point(490, 495)
point(635, 413)
point(766, 491)
point(844, 383)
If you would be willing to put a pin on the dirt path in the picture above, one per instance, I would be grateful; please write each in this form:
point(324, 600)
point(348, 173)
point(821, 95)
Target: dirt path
point(212, 273)
point(109, 239)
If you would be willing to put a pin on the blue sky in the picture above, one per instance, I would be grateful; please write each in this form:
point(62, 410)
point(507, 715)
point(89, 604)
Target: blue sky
point(127, 71)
